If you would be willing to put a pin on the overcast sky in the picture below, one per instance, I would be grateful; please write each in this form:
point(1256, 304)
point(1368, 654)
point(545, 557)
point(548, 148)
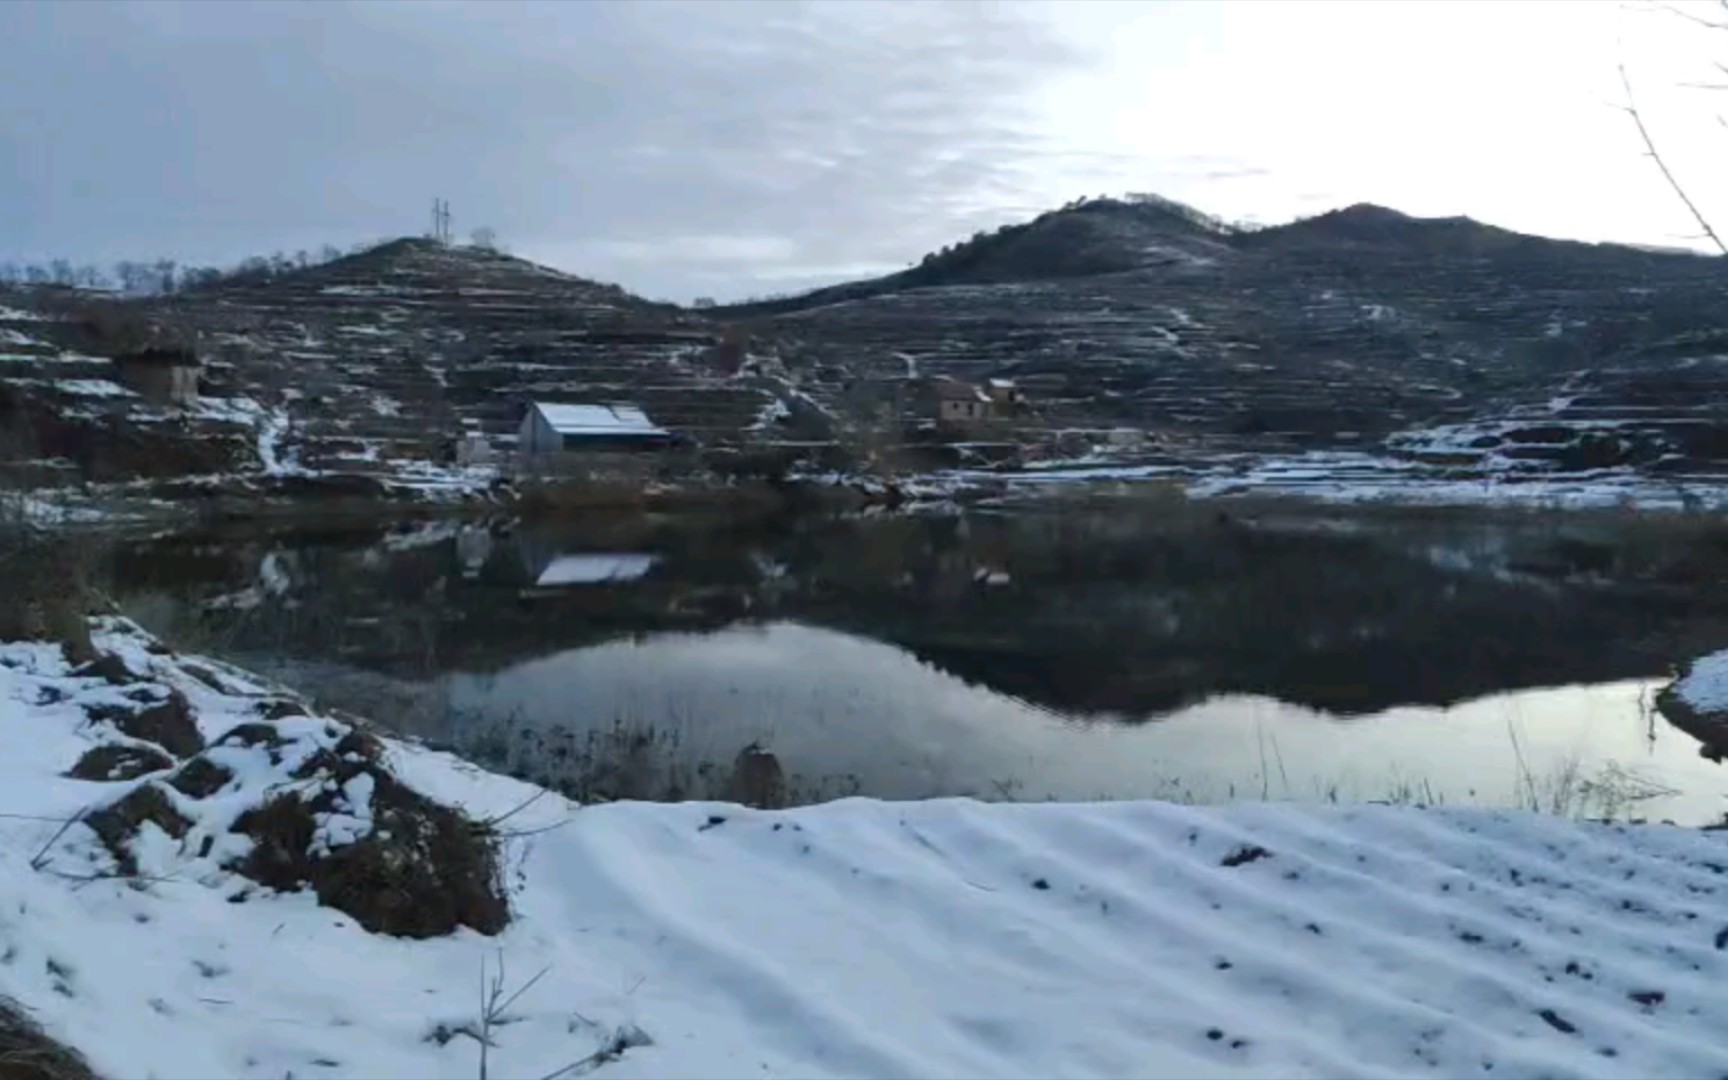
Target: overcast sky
point(732, 148)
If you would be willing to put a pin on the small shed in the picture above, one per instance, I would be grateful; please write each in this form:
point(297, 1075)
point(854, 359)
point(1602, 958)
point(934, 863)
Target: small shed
point(1004, 392)
point(554, 433)
point(161, 376)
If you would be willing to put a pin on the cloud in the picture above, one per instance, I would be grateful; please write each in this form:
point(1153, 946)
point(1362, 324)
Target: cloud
point(651, 140)
point(729, 147)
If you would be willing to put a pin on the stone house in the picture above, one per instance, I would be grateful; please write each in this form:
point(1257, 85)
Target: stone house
point(960, 404)
point(159, 375)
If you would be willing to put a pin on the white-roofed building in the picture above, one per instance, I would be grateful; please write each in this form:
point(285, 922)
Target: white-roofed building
point(554, 435)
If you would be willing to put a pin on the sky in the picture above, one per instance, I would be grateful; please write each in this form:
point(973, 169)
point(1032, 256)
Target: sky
point(731, 148)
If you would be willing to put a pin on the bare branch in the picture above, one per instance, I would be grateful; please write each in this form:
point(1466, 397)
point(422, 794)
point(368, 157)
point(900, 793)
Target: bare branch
point(1691, 18)
point(494, 822)
point(1667, 174)
point(41, 858)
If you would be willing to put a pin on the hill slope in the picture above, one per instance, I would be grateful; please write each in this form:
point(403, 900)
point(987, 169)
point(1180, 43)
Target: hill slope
point(1336, 330)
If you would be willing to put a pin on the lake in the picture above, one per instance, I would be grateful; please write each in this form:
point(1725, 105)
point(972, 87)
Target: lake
point(1058, 651)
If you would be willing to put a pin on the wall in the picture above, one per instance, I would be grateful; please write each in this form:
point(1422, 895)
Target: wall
point(964, 412)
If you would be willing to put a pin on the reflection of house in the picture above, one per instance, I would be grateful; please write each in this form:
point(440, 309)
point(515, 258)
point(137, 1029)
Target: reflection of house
point(473, 548)
point(595, 568)
point(161, 376)
point(547, 563)
point(555, 436)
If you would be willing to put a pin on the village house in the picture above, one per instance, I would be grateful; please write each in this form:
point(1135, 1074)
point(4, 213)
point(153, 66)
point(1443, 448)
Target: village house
point(961, 404)
point(557, 438)
point(161, 376)
point(1004, 394)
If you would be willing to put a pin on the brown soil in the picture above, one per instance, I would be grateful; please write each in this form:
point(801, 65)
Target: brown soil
point(168, 724)
point(118, 824)
point(278, 708)
point(119, 763)
point(422, 872)
point(252, 733)
point(200, 778)
point(110, 668)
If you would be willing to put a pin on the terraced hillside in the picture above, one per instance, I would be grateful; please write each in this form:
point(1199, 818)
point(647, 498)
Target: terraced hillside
point(1338, 330)
point(1451, 345)
point(374, 365)
point(392, 353)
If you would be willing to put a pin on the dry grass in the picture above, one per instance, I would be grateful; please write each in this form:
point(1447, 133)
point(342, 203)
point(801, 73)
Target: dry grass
point(49, 585)
point(28, 1053)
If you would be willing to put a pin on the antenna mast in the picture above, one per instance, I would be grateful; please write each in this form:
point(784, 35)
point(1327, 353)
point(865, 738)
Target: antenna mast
point(441, 220)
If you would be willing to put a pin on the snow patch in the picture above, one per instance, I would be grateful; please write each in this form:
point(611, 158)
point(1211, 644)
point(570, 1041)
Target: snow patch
point(1705, 687)
point(773, 413)
point(93, 388)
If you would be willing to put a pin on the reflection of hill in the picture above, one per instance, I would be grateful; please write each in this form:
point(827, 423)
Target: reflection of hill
point(1078, 614)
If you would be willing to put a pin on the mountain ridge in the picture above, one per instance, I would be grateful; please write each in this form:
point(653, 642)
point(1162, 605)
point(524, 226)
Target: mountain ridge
point(1170, 234)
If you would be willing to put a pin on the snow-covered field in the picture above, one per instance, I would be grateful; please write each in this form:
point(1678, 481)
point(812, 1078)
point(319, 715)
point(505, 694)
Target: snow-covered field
point(1349, 477)
point(859, 938)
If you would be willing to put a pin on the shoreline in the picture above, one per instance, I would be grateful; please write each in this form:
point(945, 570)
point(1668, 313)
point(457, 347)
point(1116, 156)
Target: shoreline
point(700, 939)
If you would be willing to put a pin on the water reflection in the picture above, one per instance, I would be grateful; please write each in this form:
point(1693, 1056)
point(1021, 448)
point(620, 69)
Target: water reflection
point(846, 714)
point(995, 655)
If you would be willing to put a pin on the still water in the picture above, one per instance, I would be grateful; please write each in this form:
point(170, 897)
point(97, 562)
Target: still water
point(1031, 656)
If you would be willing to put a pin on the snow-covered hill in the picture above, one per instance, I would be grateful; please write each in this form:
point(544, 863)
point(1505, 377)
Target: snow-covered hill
point(859, 938)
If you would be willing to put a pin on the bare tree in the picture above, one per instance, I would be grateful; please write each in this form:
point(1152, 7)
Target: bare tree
point(1650, 148)
point(134, 277)
point(484, 238)
point(164, 274)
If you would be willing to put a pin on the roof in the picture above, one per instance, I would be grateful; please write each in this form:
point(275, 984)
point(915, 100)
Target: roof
point(1000, 384)
point(955, 390)
point(159, 358)
point(627, 421)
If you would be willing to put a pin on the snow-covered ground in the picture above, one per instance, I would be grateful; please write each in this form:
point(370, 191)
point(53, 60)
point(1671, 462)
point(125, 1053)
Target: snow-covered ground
point(859, 938)
point(1705, 686)
point(1354, 477)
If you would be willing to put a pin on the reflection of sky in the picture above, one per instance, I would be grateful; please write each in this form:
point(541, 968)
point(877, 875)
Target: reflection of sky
point(831, 704)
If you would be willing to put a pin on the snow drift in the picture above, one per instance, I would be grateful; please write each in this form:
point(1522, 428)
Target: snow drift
point(859, 938)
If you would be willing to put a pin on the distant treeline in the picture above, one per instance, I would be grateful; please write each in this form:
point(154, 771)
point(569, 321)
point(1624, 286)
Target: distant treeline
point(163, 276)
